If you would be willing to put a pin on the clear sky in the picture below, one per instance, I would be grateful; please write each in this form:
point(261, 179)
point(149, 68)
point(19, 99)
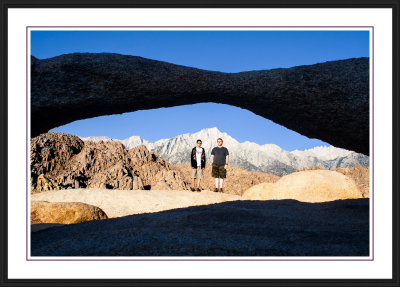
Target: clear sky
point(224, 51)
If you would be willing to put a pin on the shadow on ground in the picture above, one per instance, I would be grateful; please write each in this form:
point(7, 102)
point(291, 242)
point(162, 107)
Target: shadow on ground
point(238, 228)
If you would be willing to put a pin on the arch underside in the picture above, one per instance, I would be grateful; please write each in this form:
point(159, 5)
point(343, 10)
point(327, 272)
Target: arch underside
point(328, 101)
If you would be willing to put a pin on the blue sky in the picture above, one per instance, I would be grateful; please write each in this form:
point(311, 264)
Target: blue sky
point(225, 51)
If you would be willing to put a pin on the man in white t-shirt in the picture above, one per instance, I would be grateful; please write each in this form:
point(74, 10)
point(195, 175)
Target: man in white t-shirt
point(198, 163)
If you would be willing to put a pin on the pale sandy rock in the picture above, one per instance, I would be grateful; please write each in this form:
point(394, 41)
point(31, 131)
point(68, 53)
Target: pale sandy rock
point(260, 191)
point(308, 186)
point(64, 212)
point(359, 173)
point(117, 203)
point(161, 185)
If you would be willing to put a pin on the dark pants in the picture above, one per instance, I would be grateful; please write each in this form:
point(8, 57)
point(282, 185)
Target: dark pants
point(218, 171)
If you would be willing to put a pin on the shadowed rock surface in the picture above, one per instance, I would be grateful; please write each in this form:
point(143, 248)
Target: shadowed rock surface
point(328, 101)
point(239, 228)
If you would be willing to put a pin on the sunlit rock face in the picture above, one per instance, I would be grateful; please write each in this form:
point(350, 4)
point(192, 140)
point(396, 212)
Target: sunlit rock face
point(64, 212)
point(328, 101)
point(307, 186)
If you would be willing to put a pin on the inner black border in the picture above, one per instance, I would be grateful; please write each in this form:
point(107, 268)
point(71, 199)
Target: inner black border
point(7, 4)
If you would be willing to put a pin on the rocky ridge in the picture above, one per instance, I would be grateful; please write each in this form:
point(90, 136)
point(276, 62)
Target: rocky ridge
point(61, 161)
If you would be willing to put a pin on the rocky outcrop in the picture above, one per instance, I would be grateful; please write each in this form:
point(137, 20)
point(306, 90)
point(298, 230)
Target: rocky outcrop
point(328, 101)
point(360, 175)
point(49, 153)
point(155, 171)
point(307, 186)
point(62, 161)
point(64, 212)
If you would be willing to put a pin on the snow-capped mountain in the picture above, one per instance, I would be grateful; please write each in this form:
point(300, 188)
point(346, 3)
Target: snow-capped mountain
point(128, 142)
point(98, 139)
point(250, 156)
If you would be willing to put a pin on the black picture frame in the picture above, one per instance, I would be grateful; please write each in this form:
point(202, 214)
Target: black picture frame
point(4, 156)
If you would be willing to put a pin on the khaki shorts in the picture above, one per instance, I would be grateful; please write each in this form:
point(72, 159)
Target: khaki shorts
point(218, 171)
point(197, 173)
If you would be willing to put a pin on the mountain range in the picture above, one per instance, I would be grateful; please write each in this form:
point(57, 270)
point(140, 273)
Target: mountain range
point(246, 155)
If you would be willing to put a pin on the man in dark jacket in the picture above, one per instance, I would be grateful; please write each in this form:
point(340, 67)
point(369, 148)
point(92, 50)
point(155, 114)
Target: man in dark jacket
point(198, 163)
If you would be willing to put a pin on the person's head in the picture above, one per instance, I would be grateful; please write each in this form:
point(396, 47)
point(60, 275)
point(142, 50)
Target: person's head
point(220, 142)
point(198, 142)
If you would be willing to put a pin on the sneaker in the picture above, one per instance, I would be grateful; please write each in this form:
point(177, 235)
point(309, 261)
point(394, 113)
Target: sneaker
point(216, 190)
point(192, 189)
point(198, 189)
point(220, 190)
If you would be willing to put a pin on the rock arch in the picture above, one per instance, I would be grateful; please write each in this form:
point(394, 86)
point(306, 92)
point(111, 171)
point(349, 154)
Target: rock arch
point(328, 101)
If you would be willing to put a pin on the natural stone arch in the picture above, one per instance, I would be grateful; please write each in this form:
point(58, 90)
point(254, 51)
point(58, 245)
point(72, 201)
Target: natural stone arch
point(328, 101)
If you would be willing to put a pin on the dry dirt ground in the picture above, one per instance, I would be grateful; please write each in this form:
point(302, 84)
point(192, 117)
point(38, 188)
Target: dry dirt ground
point(206, 224)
